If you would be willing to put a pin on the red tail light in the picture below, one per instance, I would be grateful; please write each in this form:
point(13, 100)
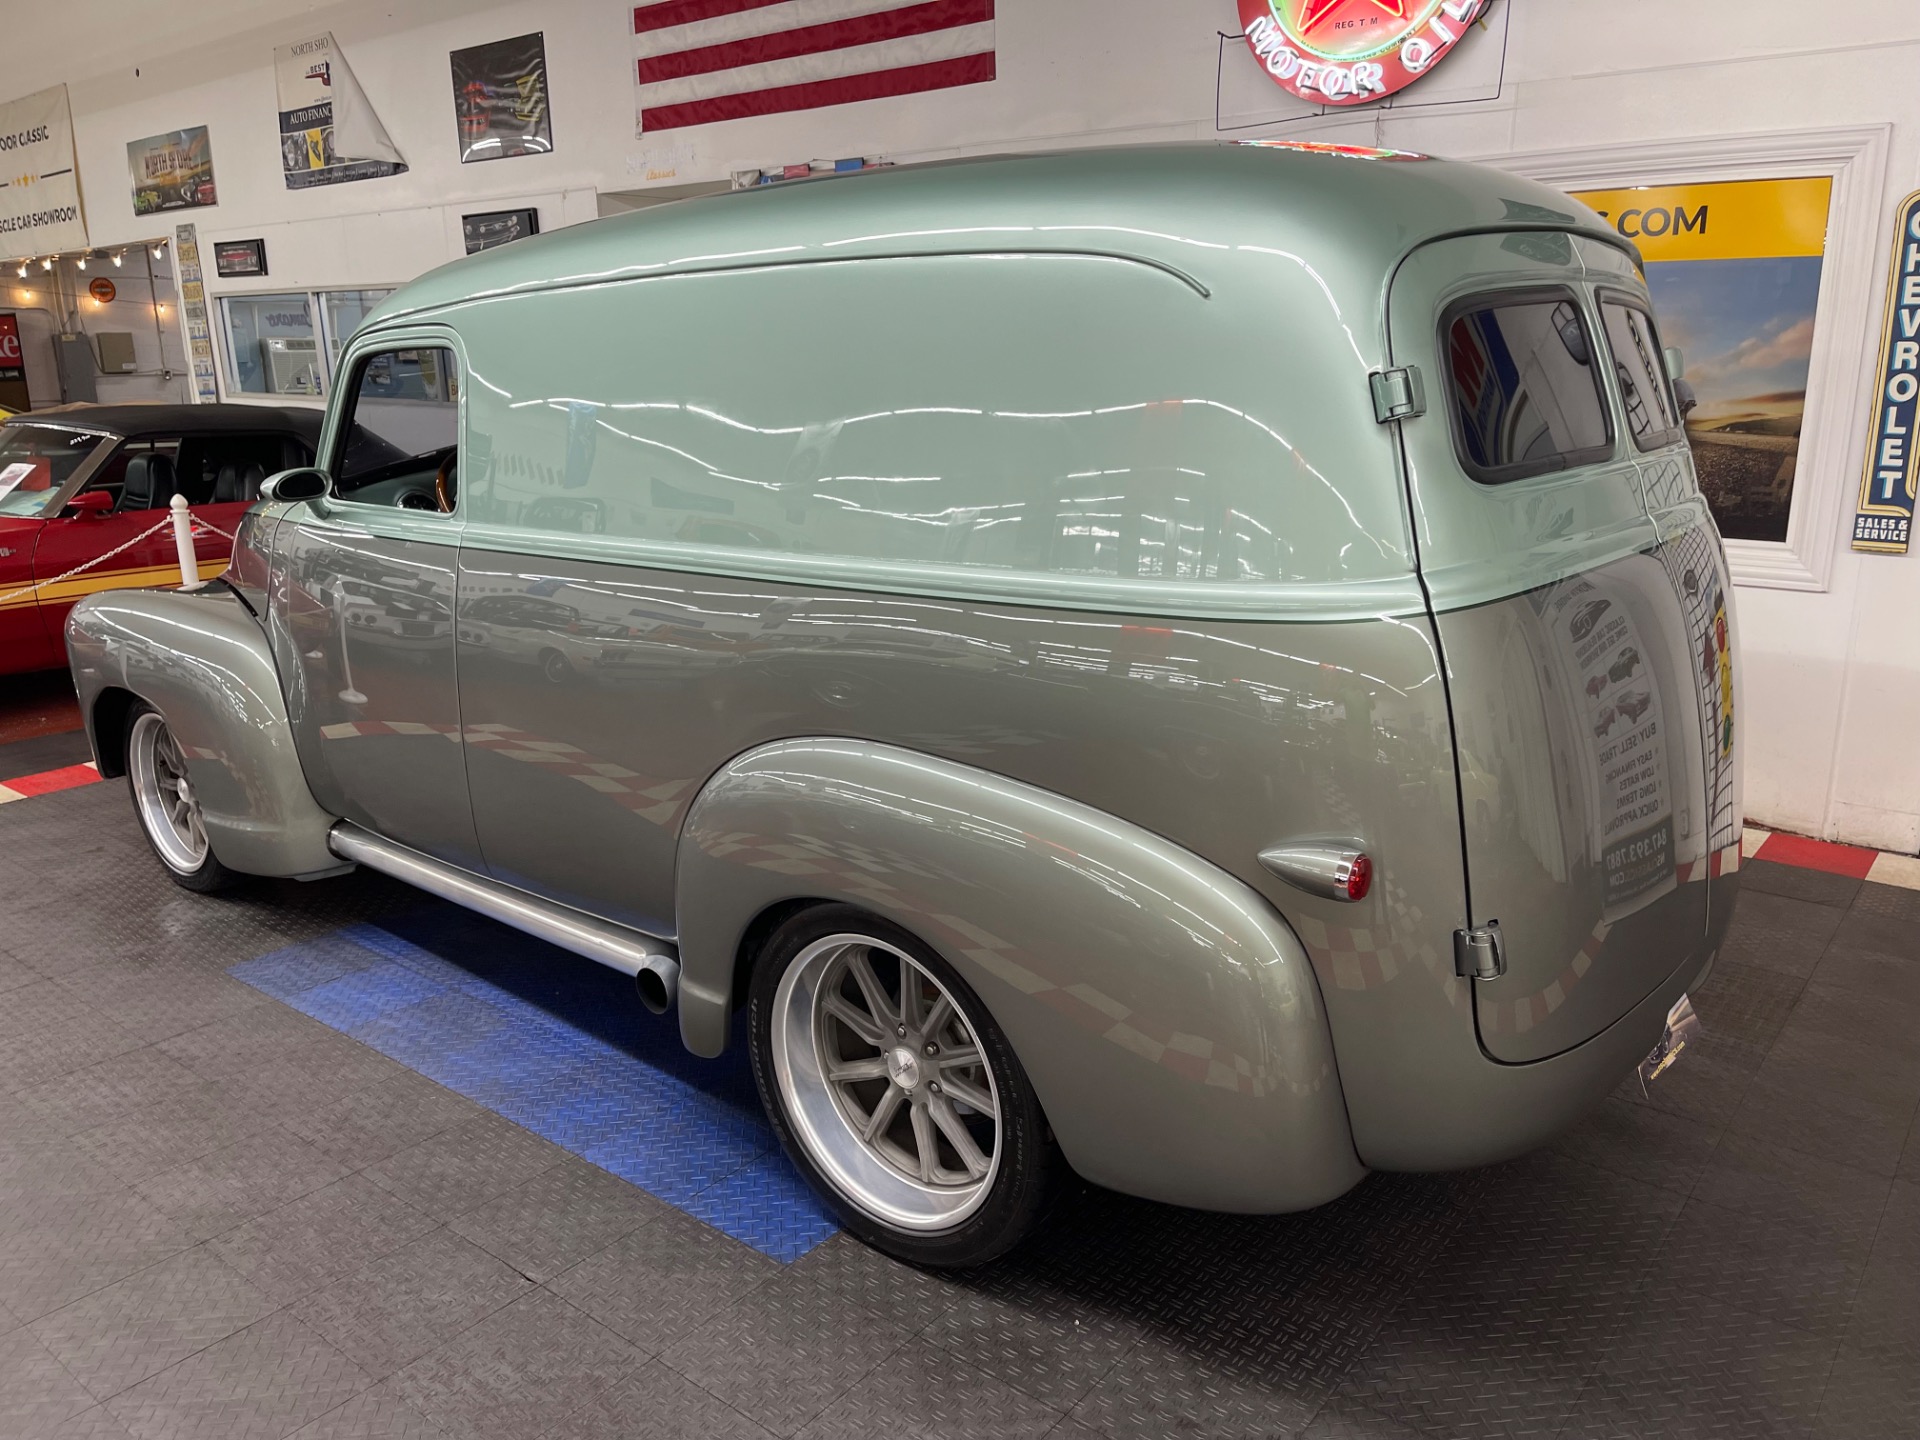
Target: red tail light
point(1359, 878)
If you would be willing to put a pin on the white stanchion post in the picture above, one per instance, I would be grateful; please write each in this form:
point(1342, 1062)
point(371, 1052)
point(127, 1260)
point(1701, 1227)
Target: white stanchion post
point(183, 543)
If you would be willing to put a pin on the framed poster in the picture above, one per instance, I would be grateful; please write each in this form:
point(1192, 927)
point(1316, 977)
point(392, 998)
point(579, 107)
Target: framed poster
point(172, 171)
point(1735, 270)
point(497, 227)
point(500, 99)
point(239, 257)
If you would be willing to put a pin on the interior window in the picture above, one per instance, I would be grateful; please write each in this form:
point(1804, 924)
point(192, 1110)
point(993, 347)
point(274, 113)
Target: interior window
point(402, 431)
point(1526, 393)
point(1652, 417)
point(36, 460)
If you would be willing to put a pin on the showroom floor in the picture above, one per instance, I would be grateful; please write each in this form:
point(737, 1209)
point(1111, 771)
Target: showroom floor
point(233, 1204)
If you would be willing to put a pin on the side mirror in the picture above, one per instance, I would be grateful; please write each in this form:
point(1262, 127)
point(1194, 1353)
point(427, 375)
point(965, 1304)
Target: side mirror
point(1685, 398)
point(90, 502)
point(303, 484)
point(1676, 363)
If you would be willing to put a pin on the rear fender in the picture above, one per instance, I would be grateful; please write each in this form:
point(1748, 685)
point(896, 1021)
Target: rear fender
point(1169, 1019)
point(202, 661)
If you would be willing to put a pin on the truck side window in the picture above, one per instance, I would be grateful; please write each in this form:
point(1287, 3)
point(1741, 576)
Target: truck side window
point(399, 439)
point(1652, 417)
point(1526, 394)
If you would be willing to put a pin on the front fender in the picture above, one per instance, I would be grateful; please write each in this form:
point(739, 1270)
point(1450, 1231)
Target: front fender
point(201, 659)
point(1169, 1019)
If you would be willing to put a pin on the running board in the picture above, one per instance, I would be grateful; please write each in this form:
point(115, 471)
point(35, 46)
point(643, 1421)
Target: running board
point(628, 951)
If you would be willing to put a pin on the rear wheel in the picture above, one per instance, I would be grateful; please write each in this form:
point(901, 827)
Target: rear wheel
point(169, 810)
point(894, 1092)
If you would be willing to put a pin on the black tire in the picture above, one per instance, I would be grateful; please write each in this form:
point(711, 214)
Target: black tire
point(208, 874)
point(1029, 1169)
point(555, 666)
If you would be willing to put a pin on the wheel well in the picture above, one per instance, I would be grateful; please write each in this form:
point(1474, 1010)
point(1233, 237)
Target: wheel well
point(111, 710)
point(755, 936)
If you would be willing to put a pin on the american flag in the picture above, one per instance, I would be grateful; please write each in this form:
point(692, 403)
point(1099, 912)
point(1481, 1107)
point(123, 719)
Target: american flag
point(706, 60)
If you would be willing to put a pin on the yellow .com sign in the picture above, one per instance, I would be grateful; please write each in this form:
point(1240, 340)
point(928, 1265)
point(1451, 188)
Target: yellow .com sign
point(1727, 220)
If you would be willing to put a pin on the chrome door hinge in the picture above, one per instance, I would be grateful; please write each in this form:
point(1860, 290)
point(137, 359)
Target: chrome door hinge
point(1398, 394)
point(1479, 952)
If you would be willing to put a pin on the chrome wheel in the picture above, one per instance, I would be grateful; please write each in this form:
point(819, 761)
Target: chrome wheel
point(163, 794)
point(882, 1076)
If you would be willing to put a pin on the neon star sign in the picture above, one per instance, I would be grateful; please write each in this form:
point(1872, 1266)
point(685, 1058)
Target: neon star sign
point(1351, 52)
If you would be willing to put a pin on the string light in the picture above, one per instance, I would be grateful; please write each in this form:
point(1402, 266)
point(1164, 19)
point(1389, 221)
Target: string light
point(23, 269)
point(118, 256)
point(160, 250)
point(46, 262)
point(81, 261)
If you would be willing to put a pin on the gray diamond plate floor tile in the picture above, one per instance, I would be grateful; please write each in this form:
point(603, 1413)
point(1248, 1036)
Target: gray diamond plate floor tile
point(387, 1315)
point(99, 1423)
point(865, 1279)
point(1774, 1183)
point(376, 1414)
point(158, 1007)
point(59, 1248)
point(259, 1384)
point(319, 1238)
point(1869, 972)
point(1157, 1390)
point(1768, 914)
point(1642, 1143)
point(381, 1120)
point(225, 1048)
point(461, 1169)
point(785, 1353)
point(109, 1090)
point(36, 1391)
point(922, 1390)
point(1763, 1268)
point(1707, 1085)
point(1688, 1368)
point(656, 1402)
point(1817, 886)
point(1343, 1420)
point(1850, 1130)
point(1747, 1003)
point(663, 1280)
point(14, 974)
point(47, 1166)
point(1873, 1393)
point(168, 1132)
point(59, 1048)
point(1042, 1345)
point(231, 1185)
point(558, 1218)
point(520, 1372)
point(118, 1336)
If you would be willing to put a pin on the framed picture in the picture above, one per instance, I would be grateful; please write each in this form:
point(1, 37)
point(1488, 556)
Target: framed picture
point(497, 227)
point(172, 171)
point(500, 99)
point(233, 258)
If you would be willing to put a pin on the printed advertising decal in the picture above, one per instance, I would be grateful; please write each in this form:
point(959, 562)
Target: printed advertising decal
point(172, 171)
point(40, 197)
point(500, 99)
point(1352, 52)
point(1883, 524)
point(328, 131)
point(1735, 271)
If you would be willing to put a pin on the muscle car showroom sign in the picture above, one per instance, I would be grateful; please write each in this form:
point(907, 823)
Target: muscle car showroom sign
point(1349, 52)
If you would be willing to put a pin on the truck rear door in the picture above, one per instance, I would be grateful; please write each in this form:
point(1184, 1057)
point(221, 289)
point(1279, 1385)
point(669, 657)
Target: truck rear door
point(1570, 649)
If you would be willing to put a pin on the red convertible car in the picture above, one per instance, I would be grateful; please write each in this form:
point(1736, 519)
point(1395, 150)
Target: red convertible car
point(78, 482)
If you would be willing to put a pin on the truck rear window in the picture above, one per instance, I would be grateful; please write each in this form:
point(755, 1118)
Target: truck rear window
point(1526, 392)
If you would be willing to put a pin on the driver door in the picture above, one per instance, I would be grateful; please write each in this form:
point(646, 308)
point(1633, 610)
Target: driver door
point(363, 601)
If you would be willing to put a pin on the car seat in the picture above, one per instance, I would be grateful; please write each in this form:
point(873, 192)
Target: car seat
point(149, 482)
point(235, 483)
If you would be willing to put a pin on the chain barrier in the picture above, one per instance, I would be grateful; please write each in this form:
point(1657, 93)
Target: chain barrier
point(199, 526)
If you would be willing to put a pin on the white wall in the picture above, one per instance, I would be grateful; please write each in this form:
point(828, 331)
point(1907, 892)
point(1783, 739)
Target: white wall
point(1832, 677)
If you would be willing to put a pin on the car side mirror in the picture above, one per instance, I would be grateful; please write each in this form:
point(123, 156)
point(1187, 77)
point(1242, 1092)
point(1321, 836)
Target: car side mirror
point(303, 484)
point(91, 502)
point(1676, 363)
point(1685, 398)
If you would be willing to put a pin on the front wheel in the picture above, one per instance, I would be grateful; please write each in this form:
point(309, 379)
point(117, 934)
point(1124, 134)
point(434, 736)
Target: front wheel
point(169, 811)
point(894, 1092)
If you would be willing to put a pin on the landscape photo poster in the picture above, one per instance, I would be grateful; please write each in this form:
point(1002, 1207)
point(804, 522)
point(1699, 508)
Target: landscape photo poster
point(172, 171)
point(1735, 270)
point(329, 133)
point(500, 99)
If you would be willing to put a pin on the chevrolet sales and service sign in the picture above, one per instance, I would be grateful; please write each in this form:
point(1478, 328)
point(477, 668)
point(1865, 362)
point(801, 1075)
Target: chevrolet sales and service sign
point(40, 196)
point(1884, 521)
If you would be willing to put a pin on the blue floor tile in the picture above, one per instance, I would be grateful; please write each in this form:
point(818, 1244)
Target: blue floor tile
point(562, 1047)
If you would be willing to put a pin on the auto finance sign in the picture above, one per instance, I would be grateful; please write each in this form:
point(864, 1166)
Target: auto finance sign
point(1350, 52)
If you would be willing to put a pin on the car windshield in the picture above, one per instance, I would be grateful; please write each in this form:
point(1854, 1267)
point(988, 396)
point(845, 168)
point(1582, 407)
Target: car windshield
point(36, 460)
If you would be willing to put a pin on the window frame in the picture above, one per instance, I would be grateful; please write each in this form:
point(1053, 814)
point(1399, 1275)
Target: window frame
point(339, 414)
point(1567, 461)
point(1604, 296)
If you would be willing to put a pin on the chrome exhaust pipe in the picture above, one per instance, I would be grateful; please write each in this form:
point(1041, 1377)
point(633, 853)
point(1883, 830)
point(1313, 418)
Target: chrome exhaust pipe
point(654, 963)
point(658, 981)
